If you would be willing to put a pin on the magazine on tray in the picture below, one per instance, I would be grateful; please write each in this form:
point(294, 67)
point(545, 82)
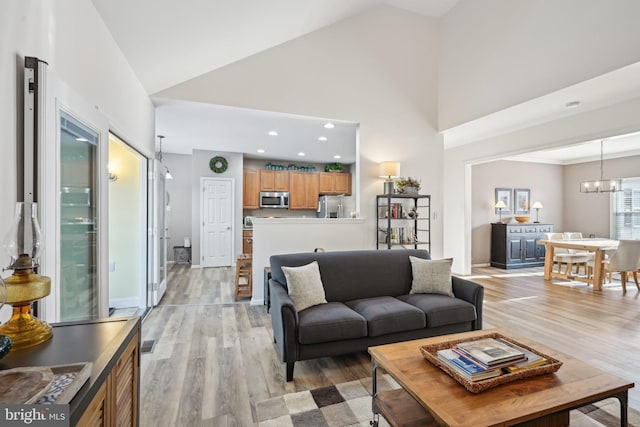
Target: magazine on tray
point(490, 351)
point(467, 368)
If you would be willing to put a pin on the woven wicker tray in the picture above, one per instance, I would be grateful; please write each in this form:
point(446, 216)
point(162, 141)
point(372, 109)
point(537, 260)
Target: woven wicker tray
point(430, 352)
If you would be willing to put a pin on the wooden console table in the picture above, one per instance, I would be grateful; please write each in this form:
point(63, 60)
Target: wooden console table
point(110, 397)
point(430, 397)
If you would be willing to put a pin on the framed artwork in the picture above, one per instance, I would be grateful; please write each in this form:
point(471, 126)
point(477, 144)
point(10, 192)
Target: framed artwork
point(522, 201)
point(504, 195)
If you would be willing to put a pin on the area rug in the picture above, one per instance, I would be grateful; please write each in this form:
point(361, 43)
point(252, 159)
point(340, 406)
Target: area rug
point(349, 404)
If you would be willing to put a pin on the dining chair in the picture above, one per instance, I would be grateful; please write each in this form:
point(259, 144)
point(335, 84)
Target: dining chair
point(576, 235)
point(625, 260)
point(563, 256)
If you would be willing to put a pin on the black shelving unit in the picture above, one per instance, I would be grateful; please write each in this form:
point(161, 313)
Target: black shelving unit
point(403, 221)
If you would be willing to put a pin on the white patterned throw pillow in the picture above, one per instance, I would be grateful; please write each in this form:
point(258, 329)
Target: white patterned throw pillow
point(305, 285)
point(431, 276)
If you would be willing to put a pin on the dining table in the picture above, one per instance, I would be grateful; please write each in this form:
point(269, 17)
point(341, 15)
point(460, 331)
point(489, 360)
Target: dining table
point(596, 245)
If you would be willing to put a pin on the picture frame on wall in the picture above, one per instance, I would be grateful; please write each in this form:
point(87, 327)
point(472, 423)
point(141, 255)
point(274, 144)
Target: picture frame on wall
point(522, 201)
point(504, 194)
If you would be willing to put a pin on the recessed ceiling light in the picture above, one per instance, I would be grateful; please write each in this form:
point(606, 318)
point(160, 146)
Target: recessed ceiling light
point(337, 156)
point(273, 133)
point(260, 150)
point(329, 125)
point(572, 104)
point(301, 154)
point(322, 138)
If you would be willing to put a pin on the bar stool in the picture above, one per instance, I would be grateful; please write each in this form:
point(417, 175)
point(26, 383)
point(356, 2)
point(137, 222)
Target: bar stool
point(244, 287)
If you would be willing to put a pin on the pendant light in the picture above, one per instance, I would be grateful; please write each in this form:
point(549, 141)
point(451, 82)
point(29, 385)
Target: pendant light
point(167, 175)
point(602, 185)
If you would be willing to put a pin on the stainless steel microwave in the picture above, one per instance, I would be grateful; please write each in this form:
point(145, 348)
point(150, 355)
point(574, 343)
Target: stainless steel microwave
point(274, 200)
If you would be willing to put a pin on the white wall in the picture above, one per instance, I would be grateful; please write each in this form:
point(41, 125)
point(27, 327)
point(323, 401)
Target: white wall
point(378, 69)
point(127, 231)
point(498, 53)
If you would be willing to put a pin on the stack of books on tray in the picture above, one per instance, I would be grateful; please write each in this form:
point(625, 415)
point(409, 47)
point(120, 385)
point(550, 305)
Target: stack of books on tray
point(487, 358)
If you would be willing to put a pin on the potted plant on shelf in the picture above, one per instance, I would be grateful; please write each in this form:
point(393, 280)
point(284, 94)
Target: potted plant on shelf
point(409, 186)
point(334, 167)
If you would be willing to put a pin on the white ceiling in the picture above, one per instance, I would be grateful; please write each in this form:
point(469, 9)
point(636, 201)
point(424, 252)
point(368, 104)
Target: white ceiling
point(168, 42)
point(192, 125)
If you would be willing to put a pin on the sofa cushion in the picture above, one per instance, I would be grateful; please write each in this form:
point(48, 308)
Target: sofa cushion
point(431, 276)
point(441, 310)
point(305, 285)
point(332, 321)
point(386, 315)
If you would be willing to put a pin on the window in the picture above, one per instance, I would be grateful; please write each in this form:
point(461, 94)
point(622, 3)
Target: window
point(626, 210)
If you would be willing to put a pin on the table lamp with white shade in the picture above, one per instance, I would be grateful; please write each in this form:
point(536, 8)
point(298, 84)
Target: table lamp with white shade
point(500, 205)
point(389, 170)
point(537, 206)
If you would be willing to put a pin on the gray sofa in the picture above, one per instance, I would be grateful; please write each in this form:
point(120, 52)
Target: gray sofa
point(368, 303)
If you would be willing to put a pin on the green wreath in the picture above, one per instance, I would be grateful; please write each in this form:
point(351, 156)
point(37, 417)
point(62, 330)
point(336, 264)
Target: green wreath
point(218, 164)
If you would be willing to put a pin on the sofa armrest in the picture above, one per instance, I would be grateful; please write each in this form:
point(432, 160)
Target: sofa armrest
point(284, 320)
point(471, 292)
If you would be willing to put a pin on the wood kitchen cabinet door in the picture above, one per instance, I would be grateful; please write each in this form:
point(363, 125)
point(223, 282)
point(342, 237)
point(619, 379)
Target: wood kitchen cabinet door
point(304, 189)
point(274, 180)
point(251, 189)
point(247, 241)
point(335, 183)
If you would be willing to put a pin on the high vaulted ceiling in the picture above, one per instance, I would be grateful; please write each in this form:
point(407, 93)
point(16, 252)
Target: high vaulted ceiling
point(168, 42)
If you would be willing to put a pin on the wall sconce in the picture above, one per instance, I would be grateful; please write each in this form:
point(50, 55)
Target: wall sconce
point(389, 170)
point(112, 175)
point(500, 205)
point(537, 206)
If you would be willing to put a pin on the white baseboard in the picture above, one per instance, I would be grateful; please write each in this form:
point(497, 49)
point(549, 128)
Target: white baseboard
point(485, 264)
point(195, 266)
point(255, 301)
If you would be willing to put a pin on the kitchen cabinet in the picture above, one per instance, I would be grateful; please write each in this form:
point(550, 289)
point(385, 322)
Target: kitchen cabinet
point(304, 190)
point(403, 221)
point(271, 180)
point(247, 241)
point(335, 183)
point(514, 245)
point(251, 189)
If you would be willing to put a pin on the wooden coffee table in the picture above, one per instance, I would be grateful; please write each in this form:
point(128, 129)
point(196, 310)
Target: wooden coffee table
point(430, 397)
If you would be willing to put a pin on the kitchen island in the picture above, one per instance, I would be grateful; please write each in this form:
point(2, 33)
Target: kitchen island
point(290, 235)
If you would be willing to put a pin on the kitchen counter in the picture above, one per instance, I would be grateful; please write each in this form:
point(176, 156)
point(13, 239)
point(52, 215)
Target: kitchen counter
point(289, 235)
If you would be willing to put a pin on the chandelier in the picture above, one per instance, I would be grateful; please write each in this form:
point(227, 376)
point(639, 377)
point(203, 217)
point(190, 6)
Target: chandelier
point(602, 185)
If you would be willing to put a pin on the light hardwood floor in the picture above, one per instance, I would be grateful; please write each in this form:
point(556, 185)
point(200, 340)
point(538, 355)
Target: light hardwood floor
point(214, 359)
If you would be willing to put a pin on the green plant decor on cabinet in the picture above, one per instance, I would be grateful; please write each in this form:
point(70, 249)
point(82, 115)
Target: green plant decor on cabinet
point(334, 167)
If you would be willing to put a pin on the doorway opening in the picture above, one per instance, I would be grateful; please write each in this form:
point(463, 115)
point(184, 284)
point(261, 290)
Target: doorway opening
point(127, 229)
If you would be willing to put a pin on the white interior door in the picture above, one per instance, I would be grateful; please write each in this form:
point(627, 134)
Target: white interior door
point(216, 214)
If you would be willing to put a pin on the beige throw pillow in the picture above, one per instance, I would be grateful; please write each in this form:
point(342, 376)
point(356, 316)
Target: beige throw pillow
point(305, 285)
point(431, 276)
